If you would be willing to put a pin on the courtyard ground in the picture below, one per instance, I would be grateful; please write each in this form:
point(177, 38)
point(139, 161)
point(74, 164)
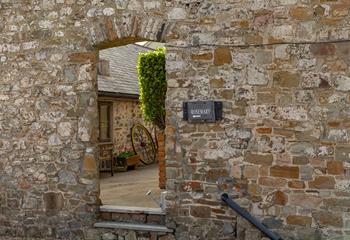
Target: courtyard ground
point(129, 188)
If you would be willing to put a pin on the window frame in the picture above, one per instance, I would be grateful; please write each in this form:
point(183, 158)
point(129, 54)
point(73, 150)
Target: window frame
point(103, 67)
point(110, 121)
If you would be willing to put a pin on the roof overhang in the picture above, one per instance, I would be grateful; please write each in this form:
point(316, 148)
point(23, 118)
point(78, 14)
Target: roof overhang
point(118, 95)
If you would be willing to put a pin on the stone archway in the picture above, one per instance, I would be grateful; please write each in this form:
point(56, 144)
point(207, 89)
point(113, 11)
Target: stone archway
point(106, 32)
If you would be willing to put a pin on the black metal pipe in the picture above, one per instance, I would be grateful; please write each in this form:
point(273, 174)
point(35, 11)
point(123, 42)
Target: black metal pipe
point(246, 215)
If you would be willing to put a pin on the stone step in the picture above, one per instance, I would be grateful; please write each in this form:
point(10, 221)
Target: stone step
point(131, 210)
point(133, 226)
point(132, 215)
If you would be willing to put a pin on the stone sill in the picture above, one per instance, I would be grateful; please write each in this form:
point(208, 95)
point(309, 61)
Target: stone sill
point(133, 226)
point(131, 210)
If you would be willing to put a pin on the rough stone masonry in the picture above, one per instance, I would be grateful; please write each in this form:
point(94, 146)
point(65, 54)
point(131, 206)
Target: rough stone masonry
point(281, 68)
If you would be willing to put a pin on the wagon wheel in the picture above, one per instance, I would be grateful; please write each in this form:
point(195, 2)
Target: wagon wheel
point(143, 144)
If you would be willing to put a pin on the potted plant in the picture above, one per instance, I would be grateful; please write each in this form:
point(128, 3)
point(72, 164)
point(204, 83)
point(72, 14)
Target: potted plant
point(126, 159)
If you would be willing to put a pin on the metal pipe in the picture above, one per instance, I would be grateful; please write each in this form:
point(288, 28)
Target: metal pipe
point(246, 215)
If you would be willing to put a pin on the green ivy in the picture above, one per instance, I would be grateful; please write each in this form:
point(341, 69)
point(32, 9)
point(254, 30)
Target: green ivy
point(152, 83)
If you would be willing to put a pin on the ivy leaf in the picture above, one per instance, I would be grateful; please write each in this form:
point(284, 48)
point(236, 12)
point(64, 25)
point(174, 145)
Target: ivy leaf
point(152, 83)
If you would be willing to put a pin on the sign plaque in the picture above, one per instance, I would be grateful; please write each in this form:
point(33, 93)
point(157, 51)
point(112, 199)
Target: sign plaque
point(202, 111)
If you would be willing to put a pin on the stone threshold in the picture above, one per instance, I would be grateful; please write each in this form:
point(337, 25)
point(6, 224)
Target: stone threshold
point(133, 226)
point(131, 210)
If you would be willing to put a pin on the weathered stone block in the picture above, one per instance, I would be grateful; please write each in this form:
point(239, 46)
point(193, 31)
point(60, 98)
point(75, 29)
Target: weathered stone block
point(64, 129)
point(335, 202)
point(307, 201)
point(299, 220)
point(302, 149)
point(280, 198)
point(217, 83)
point(192, 186)
point(262, 18)
point(338, 135)
point(342, 153)
point(322, 49)
point(300, 160)
point(200, 211)
point(214, 174)
point(326, 218)
point(264, 130)
point(259, 159)
point(257, 76)
point(281, 52)
point(53, 201)
point(306, 172)
point(67, 177)
point(272, 182)
point(156, 219)
point(254, 189)
point(89, 163)
point(202, 57)
point(335, 167)
point(323, 182)
point(263, 57)
point(131, 236)
point(286, 79)
point(222, 56)
point(266, 98)
point(83, 57)
point(282, 33)
point(296, 184)
point(342, 83)
point(109, 236)
point(284, 171)
point(251, 172)
point(177, 13)
point(301, 13)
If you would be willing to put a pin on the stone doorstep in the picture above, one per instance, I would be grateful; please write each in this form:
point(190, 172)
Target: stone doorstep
point(131, 210)
point(133, 226)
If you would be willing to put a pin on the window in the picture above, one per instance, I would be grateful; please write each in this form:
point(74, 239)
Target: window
point(103, 67)
point(105, 122)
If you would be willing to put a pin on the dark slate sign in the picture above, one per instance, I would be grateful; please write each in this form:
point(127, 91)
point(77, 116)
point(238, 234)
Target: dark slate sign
point(202, 111)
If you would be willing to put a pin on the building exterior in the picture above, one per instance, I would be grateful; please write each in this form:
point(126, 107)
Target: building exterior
point(118, 94)
point(281, 69)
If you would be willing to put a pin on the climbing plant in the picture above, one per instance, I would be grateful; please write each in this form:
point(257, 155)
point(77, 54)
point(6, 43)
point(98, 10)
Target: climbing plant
point(152, 84)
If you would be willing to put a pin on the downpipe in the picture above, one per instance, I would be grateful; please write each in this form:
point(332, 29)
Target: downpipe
point(246, 215)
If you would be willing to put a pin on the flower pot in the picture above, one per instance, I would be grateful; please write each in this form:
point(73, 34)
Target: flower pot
point(123, 164)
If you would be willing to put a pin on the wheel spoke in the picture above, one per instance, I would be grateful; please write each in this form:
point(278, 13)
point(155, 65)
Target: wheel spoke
point(143, 143)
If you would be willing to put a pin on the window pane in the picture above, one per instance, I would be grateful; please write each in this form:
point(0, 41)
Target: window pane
point(104, 123)
point(103, 113)
point(103, 67)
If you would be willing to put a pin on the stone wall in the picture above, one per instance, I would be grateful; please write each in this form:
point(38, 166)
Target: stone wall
point(49, 187)
point(126, 113)
point(281, 67)
point(282, 148)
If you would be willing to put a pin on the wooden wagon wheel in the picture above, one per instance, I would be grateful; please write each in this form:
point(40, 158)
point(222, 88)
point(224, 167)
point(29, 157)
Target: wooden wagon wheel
point(143, 144)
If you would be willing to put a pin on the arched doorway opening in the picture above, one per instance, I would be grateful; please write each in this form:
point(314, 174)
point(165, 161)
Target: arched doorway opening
point(131, 163)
